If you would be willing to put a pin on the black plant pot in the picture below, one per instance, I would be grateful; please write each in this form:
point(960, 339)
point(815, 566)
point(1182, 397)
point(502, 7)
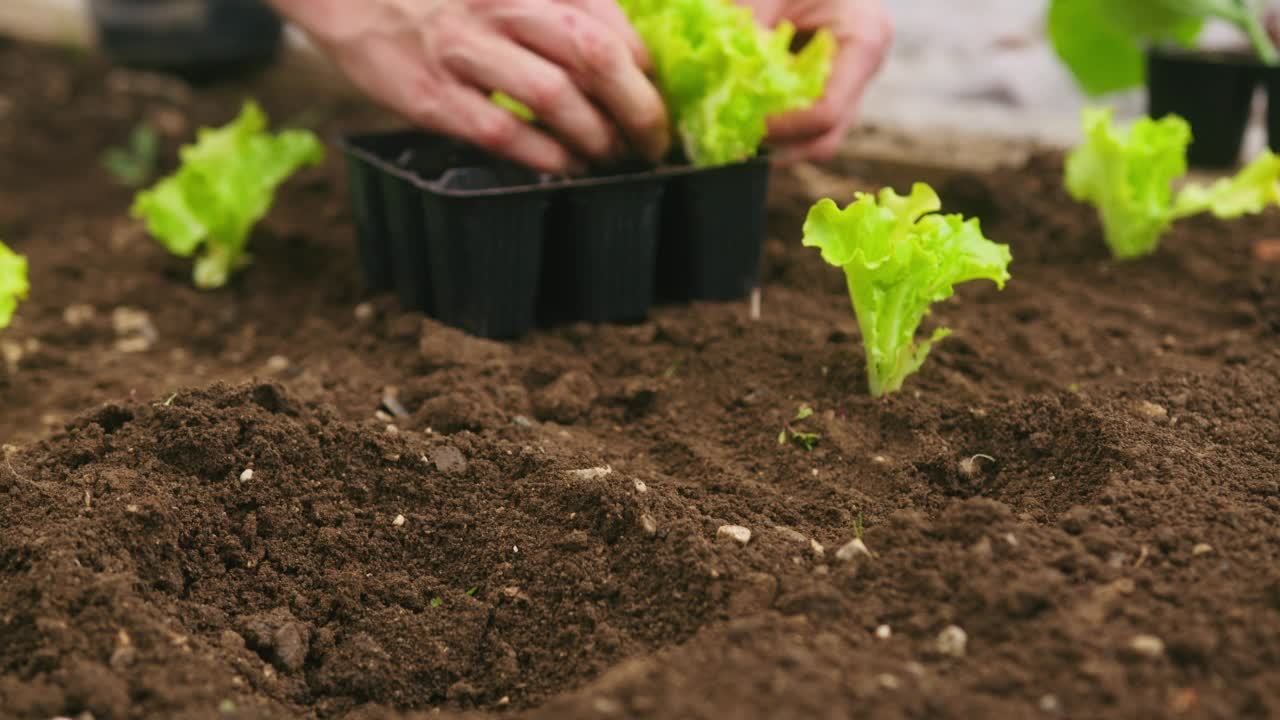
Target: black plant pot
point(1212, 91)
point(202, 40)
point(490, 247)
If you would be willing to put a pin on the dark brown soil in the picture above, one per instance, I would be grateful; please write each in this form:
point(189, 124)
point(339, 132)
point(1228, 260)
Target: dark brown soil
point(1116, 557)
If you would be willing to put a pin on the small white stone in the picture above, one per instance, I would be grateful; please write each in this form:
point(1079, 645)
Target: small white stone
point(1152, 411)
point(247, 475)
point(1148, 646)
point(78, 314)
point(1011, 539)
point(277, 364)
point(888, 682)
point(816, 547)
point(364, 311)
point(737, 533)
point(853, 549)
point(393, 430)
point(382, 416)
point(398, 521)
point(1201, 549)
point(641, 487)
point(591, 473)
point(953, 641)
point(1050, 704)
point(884, 632)
point(648, 525)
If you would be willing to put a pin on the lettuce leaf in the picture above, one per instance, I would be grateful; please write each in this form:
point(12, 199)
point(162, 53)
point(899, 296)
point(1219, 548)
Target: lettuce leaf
point(512, 105)
point(226, 184)
point(1128, 175)
point(722, 75)
point(899, 257)
point(13, 283)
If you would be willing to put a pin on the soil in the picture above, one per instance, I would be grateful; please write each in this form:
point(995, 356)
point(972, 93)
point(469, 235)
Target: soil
point(1070, 512)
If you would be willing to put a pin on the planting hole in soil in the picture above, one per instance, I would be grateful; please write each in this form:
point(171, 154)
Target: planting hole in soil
point(292, 498)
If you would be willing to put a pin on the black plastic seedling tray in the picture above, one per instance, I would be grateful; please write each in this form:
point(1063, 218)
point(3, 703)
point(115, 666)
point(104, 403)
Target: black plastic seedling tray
point(493, 248)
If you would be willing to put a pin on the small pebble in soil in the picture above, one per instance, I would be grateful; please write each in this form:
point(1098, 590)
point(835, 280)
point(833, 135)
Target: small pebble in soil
point(78, 314)
point(1049, 703)
point(449, 460)
point(1147, 646)
point(393, 405)
point(1152, 411)
point(393, 430)
point(816, 548)
point(1201, 549)
point(853, 549)
point(277, 364)
point(1011, 539)
point(953, 641)
point(591, 473)
point(382, 416)
point(884, 632)
point(648, 525)
point(134, 330)
point(790, 534)
point(399, 521)
point(364, 312)
point(888, 682)
point(641, 487)
point(737, 533)
point(247, 475)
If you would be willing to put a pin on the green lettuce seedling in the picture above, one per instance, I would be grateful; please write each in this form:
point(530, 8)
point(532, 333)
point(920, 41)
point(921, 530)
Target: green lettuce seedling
point(899, 257)
point(226, 184)
point(134, 164)
point(722, 75)
point(1128, 175)
point(13, 283)
point(1102, 41)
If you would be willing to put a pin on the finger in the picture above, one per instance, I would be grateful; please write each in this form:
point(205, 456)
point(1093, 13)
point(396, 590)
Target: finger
point(493, 63)
point(611, 14)
point(468, 114)
point(599, 63)
point(822, 148)
point(858, 59)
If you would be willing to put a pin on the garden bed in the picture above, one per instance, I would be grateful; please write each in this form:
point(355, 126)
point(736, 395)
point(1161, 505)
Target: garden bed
point(538, 535)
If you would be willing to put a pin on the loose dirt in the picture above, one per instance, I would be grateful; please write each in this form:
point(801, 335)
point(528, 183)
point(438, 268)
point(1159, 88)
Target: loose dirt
point(538, 534)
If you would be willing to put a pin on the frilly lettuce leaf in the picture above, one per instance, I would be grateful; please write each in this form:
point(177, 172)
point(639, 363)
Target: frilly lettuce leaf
point(226, 184)
point(13, 283)
point(899, 257)
point(1128, 175)
point(722, 75)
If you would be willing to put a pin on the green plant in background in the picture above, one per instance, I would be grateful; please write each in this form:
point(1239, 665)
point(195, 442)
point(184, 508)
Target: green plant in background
point(899, 257)
point(806, 440)
point(226, 184)
point(13, 283)
point(1128, 175)
point(1102, 41)
point(722, 75)
point(134, 164)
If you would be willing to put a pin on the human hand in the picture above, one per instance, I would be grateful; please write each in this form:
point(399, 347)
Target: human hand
point(864, 33)
point(577, 64)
